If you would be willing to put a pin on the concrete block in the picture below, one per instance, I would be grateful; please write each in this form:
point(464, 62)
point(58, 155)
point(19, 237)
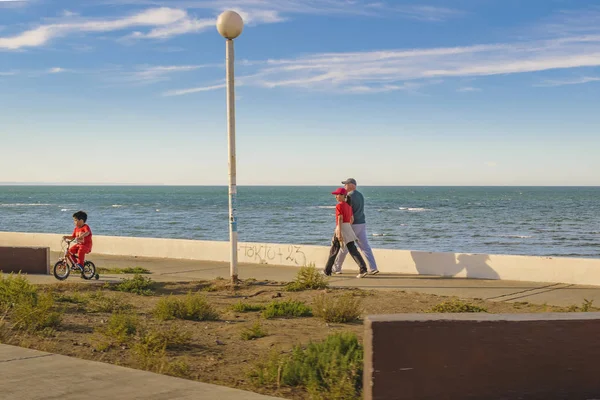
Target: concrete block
point(31, 260)
point(482, 356)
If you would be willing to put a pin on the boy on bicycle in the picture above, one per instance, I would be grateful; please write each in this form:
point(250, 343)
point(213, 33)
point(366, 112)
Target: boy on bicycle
point(83, 234)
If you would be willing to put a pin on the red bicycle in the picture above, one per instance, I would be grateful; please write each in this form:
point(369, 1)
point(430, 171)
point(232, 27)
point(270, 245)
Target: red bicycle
point(68, 263)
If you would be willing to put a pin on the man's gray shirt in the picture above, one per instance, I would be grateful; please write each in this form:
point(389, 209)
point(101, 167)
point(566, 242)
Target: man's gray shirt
point(357, 201)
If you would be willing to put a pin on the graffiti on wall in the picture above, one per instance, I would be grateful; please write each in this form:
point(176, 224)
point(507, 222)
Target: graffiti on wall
point(273, 254)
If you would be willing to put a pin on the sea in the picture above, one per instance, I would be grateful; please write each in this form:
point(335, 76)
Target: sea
point(541, 221)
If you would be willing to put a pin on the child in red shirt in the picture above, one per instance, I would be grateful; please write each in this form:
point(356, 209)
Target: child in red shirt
point(83, 234)
point(344, 234)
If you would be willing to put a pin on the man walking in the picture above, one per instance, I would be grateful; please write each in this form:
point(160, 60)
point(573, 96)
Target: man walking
point(357, 202)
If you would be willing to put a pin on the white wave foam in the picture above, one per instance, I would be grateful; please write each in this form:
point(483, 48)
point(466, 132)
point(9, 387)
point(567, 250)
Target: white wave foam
point(24, 204)
point(414, 209)
point(325, 206)
point(117, 205)
point(64, 209)
point(516, 236)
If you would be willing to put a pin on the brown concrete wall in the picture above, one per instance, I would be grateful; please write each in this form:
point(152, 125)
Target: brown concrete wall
point(31, 260)
point(482, 356)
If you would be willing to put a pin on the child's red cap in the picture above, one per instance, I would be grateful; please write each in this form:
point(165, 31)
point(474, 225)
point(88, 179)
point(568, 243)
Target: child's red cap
point(340, 191)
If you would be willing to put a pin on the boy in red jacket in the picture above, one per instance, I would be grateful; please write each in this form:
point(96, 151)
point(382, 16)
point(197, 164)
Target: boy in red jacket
point(83, 234)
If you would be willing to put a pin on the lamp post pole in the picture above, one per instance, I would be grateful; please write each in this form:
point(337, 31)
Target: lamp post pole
point(230, 26)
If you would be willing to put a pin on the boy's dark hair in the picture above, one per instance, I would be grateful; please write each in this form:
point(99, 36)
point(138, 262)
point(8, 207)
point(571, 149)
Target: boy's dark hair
point(80, 215)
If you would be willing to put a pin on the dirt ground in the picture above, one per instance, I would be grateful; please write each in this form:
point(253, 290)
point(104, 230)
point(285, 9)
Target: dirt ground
point(216, 352)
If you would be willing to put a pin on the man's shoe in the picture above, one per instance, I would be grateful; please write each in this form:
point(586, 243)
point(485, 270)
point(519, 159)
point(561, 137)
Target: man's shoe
point(362, 275)
point(325, 273)
point(374, 272)
point(338, 272)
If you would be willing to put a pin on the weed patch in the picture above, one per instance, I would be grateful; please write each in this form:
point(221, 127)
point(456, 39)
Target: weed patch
point(287, 309)
point(101, 302)
point(345, 308)
point(330, 370)
point(456, 306)
point(308, 278)
point(255, 332)
point(138, 284)
point(247, 307)
point(120, 328)
point(586, 306)
point(193, 307)
point(128, 270)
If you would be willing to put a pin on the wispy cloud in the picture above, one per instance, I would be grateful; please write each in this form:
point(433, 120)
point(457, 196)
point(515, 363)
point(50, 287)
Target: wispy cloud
point(44, 33)
point(575, 81)
point(387, 70)
point(270, 11)
point(146, 74)
point(56, 70)
point(467, 89)
point(196, 90)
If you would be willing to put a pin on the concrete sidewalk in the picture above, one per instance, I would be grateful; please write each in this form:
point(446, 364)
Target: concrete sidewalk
point(494, 290)
point(31, 375)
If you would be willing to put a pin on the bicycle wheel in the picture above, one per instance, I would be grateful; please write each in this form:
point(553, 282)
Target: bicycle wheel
point(89, 270)
point(61, 270)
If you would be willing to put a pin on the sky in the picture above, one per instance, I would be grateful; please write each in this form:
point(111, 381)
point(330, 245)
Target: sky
point(397, 92)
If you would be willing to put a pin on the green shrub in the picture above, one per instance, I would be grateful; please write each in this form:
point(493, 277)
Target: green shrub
point(247, 307)
point(286, 309)
point(26, 308)
point(37, 315)
point(128, 270)
point(456, 306)
point(308, 278)
point(120, 327)
point(193, 307)
point(15, 289)
point(255, 332)
point(330, 370)
point(346, 308)
point(151, 350)
point(138, 284)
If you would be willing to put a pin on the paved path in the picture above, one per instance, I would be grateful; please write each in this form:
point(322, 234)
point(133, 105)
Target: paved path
point(494, 290)
point(30, 375)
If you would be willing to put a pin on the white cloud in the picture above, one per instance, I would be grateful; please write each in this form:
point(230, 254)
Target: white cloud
point(388, 70)
point(56, 70)
point(273, 9)
point(67, 14)
point(196, 90)
point(152, 74)
point(468, 89)
point(576, 81)
point(41, 35)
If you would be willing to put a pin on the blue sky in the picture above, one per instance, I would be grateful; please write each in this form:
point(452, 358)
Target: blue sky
point(463, 92)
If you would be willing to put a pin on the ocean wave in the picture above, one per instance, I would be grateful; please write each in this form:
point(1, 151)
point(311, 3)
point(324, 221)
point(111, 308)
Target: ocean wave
point(24, 204)
point(414, 209)
point(325, 206)
point(117, 205)
point(515, 236)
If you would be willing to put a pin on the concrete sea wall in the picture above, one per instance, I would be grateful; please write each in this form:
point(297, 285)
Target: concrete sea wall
point(482, 266)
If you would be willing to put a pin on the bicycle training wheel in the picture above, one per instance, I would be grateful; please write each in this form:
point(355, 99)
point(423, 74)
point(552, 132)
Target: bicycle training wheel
point(89, 270)
point(61, 270)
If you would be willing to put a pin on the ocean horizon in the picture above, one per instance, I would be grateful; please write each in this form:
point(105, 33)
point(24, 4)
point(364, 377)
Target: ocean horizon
point(558, 221)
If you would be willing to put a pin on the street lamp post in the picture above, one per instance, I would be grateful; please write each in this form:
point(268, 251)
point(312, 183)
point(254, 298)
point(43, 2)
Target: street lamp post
point(230, 26)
